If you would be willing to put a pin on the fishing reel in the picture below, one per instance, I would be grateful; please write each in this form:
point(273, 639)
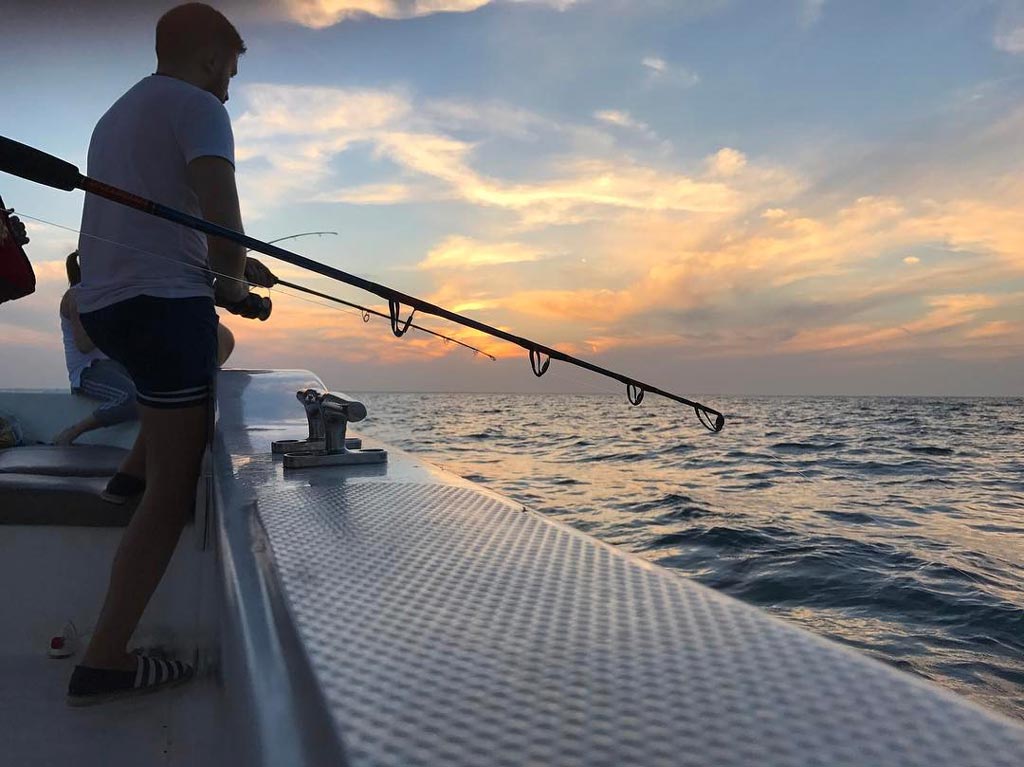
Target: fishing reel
point(252, 307)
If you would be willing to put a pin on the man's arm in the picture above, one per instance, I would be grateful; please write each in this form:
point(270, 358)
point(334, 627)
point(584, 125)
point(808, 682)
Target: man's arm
point(213, 180)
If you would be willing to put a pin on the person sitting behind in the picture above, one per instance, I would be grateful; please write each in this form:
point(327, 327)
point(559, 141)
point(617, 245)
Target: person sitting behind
point(95, 375)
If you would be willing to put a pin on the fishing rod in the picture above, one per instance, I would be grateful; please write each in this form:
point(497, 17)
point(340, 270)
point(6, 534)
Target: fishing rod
point(366, 311)
point(34, 165)
point(293, 236)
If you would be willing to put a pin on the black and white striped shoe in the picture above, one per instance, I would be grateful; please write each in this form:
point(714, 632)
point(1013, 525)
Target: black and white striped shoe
point(122, 488)
point(89, 686)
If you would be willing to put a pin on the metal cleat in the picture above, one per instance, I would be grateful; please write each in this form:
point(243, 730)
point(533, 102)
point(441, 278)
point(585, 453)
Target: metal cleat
point(336, 412)
point(310, 399)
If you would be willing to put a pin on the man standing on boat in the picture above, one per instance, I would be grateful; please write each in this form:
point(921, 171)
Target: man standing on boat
point(147, 301)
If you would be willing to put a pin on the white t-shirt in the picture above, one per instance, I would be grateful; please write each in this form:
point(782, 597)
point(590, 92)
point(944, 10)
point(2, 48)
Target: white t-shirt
point(143, 144)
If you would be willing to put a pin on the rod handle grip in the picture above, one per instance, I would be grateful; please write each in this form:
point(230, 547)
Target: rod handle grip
point(31, 164)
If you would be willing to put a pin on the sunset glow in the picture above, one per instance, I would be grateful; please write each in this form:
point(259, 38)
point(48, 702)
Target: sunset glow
point(688, 189)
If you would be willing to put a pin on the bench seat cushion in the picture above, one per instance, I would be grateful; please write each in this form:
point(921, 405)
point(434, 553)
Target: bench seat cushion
point(35, 499)
point(58, 461)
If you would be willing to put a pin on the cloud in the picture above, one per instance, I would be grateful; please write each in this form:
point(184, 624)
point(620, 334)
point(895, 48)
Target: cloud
point(19, 335)
point(729, 255)
point(946, 314)
point(1008, 35)
point(325, 13)
point(624, 120)
point(792, 284)
point(997, 330)
point(578, 232)
point(587, 190)
point(726, 162)
point(289, 138)
point(50, 271)
point(457, 252)
point(660, 72)
point(287, 135)
point(1010, 40)
point(619, 118)
point(303, 110)
point(657, 65)
point(371, 194)
point(810, 12)
point(493, 117)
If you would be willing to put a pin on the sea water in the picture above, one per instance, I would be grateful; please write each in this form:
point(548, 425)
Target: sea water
point(893, 525)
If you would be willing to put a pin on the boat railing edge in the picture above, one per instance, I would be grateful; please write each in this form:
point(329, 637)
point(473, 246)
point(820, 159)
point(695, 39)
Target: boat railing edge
point(279, 707)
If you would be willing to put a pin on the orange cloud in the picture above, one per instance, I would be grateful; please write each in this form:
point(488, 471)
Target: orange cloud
point(998, 330)
point(50, 272)
point(311, 329)
point(726, 162)
point(319, 14)
point(457, 252)
point(20, 335)
point(679, 268)
point(951, 322)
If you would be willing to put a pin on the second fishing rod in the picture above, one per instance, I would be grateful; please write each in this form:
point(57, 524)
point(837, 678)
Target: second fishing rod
point(365, 310)
point(34, 165)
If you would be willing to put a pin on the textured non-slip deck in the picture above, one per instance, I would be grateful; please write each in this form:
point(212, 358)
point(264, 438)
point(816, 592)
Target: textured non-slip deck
point(448, 628)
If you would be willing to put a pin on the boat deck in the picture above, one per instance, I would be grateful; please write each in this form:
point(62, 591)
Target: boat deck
point(39, 730)
point(446, 625)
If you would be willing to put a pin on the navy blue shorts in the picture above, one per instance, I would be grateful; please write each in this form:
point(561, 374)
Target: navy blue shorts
point(167, 345)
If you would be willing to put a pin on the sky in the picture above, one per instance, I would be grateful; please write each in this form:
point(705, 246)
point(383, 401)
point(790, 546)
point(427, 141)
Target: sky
point(714, 196)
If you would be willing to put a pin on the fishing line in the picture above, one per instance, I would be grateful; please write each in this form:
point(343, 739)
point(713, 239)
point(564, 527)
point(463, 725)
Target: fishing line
point(355, 309)
point(594, 387)
point(366, 312)
point(588, 384)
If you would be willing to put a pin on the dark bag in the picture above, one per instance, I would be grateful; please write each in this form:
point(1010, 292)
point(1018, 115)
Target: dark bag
point(16, 276)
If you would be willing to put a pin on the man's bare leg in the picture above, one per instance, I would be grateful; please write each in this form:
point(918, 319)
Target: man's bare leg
point(134, 464)
point(174, 441)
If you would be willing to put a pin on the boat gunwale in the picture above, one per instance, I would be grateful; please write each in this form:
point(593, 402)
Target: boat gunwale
point(279, 707)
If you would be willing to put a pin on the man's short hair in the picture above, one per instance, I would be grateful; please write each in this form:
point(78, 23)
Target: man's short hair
point(188, 28)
